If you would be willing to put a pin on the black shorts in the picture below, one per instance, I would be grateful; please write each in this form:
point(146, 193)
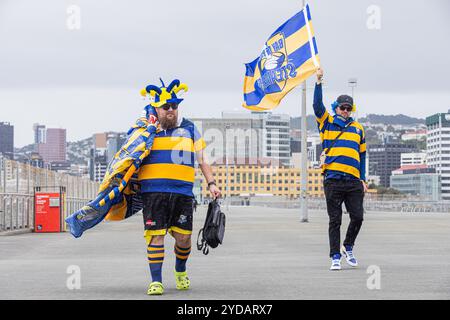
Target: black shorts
point(167, 212)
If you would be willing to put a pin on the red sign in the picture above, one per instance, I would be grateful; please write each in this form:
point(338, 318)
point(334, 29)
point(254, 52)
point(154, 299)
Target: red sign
point(47, 212)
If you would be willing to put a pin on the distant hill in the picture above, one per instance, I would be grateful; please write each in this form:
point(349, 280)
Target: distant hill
point(77, 151)
point(399, 119)
point(310, 121)
point(392, 119)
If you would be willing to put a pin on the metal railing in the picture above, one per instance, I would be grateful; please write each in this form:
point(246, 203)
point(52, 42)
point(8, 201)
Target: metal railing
point(370, 204)
point(16, 211)
point(73, 205)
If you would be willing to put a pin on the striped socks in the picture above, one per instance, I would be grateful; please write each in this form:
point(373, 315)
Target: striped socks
point(155, 255)
point(182, 255)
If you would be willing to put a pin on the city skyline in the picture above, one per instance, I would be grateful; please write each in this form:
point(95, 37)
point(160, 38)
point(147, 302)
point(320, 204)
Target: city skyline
point(88, 79)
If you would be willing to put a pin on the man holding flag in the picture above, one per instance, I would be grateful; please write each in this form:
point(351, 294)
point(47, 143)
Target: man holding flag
point(344, 145)
point(288, 58)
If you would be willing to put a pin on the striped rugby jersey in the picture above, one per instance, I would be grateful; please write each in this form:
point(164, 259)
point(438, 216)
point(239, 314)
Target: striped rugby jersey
point(348, 154)
point(170, 165)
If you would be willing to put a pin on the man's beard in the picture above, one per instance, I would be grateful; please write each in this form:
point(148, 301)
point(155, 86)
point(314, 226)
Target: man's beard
point(167, 123)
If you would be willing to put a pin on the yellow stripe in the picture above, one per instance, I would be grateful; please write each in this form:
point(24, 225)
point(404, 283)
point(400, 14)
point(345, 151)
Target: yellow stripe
point(343, 168)
point(182, 257)
point(161, 232)
point(155, 262)
point(331, 135)
point(135, 135)
point(330, 118)
point(167, 171)
point(249, 84)
point(200, 144)
point(322, 119)
point(156, 255)
point(155, 249)
point(298, 38)
point(173, 143)
point(183, 251)
point(343, 151)
point(362, 148)
point(181, 231)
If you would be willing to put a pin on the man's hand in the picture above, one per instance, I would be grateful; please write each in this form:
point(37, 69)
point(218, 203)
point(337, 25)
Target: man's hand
point(366, 187)
point(215, 191)
point(319, 74)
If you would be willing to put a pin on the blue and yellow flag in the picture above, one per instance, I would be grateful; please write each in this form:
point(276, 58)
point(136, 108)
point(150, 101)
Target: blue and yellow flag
point(288, 58)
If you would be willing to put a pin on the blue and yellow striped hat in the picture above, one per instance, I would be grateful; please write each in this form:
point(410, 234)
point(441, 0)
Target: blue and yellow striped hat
point(163, 95)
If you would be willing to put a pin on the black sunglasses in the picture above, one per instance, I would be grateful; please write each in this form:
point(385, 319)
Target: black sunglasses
point(167, 106)
point(346, 108)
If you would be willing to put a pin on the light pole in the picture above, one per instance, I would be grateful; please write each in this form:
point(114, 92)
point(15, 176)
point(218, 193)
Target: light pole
point(227, 126)
point(304, 150)
point(352, 83)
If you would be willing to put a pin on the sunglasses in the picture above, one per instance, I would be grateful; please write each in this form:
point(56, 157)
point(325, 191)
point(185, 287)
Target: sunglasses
point(167, 106)
point(346, 108)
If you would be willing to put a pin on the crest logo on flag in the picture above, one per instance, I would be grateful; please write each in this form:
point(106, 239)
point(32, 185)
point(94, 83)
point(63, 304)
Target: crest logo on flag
point(274, 65)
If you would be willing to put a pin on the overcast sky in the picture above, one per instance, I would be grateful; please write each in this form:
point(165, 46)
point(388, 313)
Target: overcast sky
point(88, 80)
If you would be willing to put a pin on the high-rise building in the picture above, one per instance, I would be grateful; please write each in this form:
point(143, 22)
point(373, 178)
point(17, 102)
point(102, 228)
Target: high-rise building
point(113, 144)
point(247, 136)
point(50, 143)
point(438, 148)
point(40, 133)
point(7, 140)
point(384, 158)
point(54, 149)
point(105, 146)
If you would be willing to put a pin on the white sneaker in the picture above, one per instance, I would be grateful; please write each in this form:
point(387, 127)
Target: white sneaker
point(349, 257)
point(336, 262)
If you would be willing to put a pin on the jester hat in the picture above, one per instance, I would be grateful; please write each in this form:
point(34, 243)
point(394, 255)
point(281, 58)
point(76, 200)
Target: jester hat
point(163, 95)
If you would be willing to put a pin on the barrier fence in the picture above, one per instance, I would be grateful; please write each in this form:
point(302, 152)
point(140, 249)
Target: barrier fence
point(18, 180)
point(17, 184)
point(371, 204)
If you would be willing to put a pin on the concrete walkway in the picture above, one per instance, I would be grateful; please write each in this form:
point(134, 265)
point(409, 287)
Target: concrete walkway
point(267, 254)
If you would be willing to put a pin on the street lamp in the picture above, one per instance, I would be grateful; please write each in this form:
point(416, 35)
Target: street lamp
point(352, 83)
point(227, 126)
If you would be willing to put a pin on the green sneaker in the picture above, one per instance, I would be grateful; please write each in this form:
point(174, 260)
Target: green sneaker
point(182, 280)
point(155, 289)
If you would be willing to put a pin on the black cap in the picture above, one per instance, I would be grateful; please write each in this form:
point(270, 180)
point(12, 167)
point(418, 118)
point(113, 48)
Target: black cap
point(345, 100)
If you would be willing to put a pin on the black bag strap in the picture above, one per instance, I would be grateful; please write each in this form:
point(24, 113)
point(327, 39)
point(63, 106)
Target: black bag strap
point(338, 136)
point(202, 245)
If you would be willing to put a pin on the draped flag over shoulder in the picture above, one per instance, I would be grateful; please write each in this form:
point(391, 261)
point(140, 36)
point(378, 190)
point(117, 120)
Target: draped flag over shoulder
point(119, 195)
point(288, 58)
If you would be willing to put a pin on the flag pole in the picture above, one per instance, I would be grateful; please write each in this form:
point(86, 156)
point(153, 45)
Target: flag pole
point(304, 154)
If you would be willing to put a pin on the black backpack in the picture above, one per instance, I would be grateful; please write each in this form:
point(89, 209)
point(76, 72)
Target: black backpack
point(214, 229)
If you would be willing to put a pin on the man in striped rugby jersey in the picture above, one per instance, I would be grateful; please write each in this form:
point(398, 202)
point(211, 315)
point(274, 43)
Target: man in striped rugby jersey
point(343, 169)
point(166, 177)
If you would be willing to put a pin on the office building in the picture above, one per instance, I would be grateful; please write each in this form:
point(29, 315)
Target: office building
point(260, 179)
point(244, 136)
point(417, 180)
point(438, 149)
point(383, 158)
point(416, 158)
point(50, 143)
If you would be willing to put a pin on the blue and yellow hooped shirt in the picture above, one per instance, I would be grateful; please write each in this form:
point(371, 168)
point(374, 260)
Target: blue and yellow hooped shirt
point(170, 167)
point(348, 151)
